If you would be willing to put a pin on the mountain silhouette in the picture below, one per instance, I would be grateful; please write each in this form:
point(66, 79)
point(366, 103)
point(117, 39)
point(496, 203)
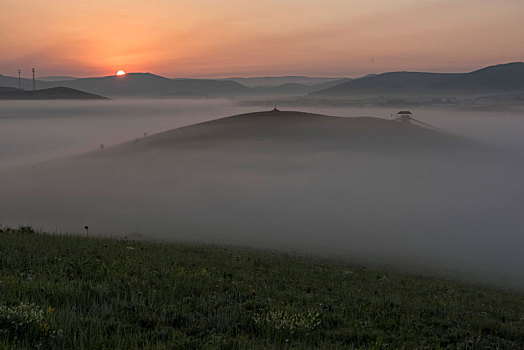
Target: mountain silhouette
point(56, 93)
point(296, 88)
point(139, 84)
point(503, 78)
point(496, 79)
point(279, 81)
point(499, 78)
point(393, 82)
point(147, 84)
point(283, 132)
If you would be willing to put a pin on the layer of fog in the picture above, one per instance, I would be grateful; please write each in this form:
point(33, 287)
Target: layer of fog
point(33, 131)
point(454, 214)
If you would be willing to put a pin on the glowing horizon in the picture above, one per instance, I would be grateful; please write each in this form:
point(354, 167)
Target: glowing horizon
point(290, 37)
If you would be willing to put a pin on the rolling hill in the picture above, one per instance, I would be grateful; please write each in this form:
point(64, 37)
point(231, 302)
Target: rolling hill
point(55, 93)
point(279, 81)
point(498, 79)
point(388, 83)
point(27, 84)
point(180, 296)
point(151, 85)
point(296, 88)
point(139, 85)
point(284, 179)
point(283, 132)
point(501, 78)
point(56, 78)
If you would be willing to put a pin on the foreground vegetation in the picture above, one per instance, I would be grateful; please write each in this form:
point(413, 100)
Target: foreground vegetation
point(88, 293)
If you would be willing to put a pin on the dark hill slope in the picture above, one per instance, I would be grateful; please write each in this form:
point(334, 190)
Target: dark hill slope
point(56, 93)
point(7, 81)
point(146, 84)
point(500, 78)
point(394, 82)
point(297, 88)
point(278, 81)
point(280, 132)
point(139, 85)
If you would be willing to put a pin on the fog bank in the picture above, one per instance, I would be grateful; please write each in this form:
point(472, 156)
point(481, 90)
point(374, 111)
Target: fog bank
point(32, 131)
point(361, 187)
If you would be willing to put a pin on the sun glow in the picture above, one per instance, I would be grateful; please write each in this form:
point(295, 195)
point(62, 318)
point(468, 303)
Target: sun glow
point(120, 72)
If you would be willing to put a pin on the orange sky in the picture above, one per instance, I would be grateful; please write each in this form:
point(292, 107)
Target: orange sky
point(205, 38)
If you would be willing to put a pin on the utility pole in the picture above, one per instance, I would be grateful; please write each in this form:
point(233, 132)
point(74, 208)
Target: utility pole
point(19, 83)
point(34, 83)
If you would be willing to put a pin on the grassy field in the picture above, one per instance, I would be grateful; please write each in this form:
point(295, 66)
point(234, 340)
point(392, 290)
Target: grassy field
point(90, 293)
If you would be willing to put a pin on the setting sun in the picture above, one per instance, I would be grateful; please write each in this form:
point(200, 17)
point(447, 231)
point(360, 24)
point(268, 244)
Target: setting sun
point(120, 72)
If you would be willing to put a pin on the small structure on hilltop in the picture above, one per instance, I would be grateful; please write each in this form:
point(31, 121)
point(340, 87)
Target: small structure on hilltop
point(404, 116)
point(407, 118)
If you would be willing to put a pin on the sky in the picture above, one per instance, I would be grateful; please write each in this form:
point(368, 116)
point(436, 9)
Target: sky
point(225, 38)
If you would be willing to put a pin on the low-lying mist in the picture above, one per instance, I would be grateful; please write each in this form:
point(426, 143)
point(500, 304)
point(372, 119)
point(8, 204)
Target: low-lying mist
point(291, 186)
point(32, 131)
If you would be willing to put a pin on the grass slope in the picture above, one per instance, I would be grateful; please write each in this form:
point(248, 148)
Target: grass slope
point(73, 292)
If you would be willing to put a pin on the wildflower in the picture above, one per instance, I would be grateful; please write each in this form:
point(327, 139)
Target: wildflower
point(44, 327)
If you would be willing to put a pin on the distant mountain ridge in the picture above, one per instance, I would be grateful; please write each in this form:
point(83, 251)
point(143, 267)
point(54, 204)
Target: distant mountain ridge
point(397, 82)
point(55, 93)
point(499, 78)
point(297, 88)
point(258, 82)
point(57, 78)
point(139, 85)
point(502, 78)
point(151, 85)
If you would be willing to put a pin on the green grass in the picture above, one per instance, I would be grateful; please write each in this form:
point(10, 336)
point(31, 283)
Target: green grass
point(79, 293)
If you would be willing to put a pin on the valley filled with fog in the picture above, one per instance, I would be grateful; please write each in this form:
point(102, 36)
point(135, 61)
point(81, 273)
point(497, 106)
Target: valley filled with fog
point(367, 189)
point(41, 130)
point(32, 131)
